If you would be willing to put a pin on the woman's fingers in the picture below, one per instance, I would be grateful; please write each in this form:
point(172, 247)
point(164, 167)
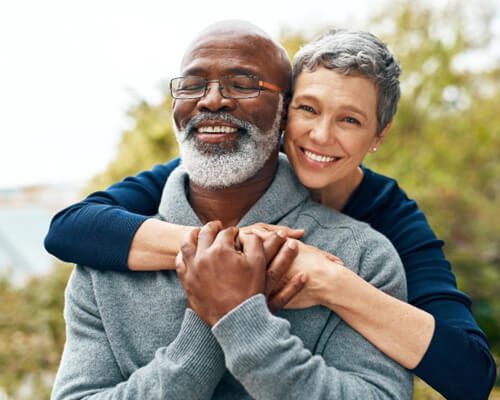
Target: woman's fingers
point(280, 266)
point(261, 229)
point(288, 292)
point(334, 258)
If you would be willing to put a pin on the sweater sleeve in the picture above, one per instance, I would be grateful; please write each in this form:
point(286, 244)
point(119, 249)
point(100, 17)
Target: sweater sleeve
point(98, 231)
point(458, 343)
point(188, 368)
point(272, 363)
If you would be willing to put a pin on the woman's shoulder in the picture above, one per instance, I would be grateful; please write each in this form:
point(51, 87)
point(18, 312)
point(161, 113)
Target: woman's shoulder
point(380, 201)
point(378, 194)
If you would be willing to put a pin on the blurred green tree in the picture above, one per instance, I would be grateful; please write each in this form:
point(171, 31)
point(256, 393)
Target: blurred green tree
point(31, 334)
point(150, 141)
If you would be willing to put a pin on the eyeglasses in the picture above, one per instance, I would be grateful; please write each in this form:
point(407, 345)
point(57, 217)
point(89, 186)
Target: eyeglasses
point(230, 87)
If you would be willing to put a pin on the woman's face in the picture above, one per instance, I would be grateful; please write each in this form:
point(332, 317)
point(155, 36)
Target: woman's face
point(331, 125)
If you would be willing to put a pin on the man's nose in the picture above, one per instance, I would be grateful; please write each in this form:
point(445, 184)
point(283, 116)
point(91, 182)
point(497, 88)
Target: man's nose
point(213, 101)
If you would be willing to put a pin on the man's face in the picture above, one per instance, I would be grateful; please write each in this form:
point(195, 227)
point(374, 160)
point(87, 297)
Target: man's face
point(227, 141)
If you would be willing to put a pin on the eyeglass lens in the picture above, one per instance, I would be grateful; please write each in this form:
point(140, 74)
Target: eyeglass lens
point(234, 86)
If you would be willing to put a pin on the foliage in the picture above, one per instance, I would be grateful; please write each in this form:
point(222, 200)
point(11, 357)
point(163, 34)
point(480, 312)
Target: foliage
point(31, 334)
point(150, 141)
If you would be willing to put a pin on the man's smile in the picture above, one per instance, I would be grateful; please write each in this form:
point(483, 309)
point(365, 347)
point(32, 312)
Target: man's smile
point(216, 131)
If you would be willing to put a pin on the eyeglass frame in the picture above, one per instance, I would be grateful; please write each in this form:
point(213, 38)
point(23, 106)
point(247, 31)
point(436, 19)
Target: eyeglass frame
point(262, 85)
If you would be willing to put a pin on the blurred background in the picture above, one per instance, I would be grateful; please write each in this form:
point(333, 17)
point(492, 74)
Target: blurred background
point(84, 103)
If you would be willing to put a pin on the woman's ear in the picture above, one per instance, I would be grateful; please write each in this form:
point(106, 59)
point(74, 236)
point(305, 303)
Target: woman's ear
point(379, 139)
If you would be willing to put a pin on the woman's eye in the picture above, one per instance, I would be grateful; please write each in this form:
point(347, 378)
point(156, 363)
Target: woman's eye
point(306, 108)
point(352, 120)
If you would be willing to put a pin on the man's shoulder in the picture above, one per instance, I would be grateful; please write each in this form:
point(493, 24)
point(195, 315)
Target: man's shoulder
point(364, 250)
point(108, 284)
point(321, 218)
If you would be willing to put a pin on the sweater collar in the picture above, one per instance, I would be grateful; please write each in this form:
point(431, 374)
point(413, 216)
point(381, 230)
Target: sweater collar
point(283, 195)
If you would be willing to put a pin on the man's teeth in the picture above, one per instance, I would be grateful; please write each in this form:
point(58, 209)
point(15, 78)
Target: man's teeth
point(317, 157)
point(217, 129)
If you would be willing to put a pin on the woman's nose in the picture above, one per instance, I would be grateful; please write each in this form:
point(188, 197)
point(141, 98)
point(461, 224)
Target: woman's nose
point(323, 133)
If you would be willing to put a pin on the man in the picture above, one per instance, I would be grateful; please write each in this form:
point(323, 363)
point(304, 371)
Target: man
point(132, 336)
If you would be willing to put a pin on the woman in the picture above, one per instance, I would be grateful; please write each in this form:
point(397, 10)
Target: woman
point(346, 91)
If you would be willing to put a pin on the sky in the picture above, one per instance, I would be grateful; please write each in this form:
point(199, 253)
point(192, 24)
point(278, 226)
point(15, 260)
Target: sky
point(70, 70)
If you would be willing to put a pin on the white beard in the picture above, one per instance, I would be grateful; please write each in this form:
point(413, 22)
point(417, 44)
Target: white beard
point(214, 166)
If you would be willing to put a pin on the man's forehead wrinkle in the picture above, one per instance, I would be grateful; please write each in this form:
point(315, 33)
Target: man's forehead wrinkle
point(233, 57)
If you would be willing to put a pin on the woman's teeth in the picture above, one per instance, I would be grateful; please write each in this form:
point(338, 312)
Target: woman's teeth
point(319, 158)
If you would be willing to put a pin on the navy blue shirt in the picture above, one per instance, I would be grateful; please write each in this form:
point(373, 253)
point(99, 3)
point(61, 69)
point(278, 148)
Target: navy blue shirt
point(99, 230)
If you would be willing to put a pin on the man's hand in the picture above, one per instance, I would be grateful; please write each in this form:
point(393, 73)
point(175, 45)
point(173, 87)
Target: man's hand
point(216, 276)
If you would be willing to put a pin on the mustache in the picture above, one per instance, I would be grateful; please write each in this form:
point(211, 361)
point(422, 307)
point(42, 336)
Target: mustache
point(208, 116)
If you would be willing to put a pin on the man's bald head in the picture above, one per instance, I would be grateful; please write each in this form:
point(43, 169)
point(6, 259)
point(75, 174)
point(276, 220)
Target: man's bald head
point(270, 55)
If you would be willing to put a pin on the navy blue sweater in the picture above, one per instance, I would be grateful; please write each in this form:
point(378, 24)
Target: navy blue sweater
point(98, 232)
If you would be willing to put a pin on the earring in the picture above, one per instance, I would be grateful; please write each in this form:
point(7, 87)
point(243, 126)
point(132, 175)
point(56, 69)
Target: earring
point(374, 149)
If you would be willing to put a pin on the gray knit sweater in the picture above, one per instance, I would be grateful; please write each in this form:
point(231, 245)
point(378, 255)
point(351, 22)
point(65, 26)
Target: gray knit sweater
point(130, 335)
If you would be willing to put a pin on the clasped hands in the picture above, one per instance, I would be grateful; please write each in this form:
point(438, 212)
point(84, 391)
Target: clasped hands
point(221, 268)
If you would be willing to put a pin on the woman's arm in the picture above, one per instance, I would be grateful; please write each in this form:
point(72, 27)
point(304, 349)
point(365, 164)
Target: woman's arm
point(100, 230)
point(112, 229)
point(457, 362)
point(400, 330)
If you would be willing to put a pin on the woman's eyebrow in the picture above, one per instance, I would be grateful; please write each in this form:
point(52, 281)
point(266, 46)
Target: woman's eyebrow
point(355, 109)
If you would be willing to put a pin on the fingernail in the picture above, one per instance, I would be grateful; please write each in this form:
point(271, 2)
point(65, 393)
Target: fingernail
point(281, 234)
point(303, 277)
point(292, 244)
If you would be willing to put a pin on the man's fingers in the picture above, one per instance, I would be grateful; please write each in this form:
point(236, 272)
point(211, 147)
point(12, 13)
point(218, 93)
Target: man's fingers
point(254, 251)
point(180, 266)
point(291, 289)
point(228, 238)
point(272, 244)
point(189, 244)
point(208, 234)
point(280, 266)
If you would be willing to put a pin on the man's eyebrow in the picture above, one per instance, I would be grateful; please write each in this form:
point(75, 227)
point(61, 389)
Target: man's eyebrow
point(230, 71)
point(193, 71)
point(241, 71)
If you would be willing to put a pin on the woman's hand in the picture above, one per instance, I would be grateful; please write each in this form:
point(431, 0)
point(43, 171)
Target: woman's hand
point(323, 270)
point(266, 230)
point(280, 252)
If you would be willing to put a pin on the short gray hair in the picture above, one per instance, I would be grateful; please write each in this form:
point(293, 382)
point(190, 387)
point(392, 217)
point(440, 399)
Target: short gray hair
point(360, 53)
